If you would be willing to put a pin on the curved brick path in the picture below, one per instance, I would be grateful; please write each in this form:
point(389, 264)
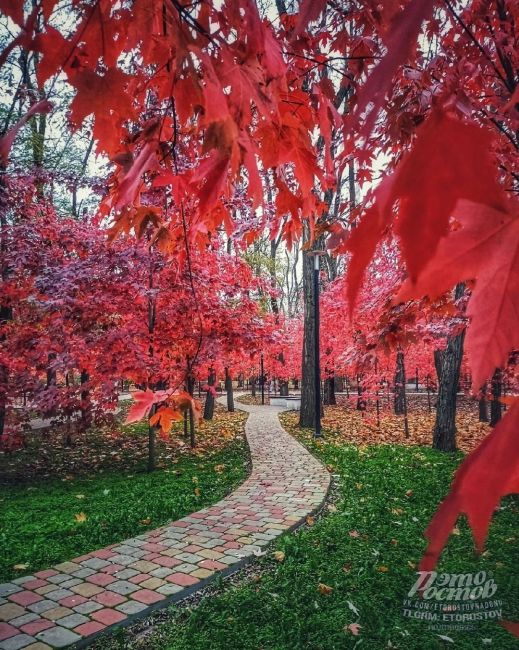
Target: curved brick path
point(75, 601)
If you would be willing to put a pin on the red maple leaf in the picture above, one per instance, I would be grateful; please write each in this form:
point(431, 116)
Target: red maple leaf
point(487, 474)
point(484, 248)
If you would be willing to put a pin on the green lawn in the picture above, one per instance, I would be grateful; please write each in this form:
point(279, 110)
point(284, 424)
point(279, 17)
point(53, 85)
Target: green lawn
point(365, 549)
point(114, 500)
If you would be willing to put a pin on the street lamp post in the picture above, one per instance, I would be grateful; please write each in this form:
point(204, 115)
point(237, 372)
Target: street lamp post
point(262, 380)
point(317, 365)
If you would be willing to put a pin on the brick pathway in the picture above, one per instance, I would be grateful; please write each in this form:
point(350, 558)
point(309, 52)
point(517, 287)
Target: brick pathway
point(75, 601)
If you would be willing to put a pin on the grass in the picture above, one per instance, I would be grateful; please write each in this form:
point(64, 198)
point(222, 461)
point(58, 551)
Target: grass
point(44, 521)
point(364, 552)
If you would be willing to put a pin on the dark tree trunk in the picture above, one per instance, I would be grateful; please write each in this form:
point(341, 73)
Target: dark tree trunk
point(190, 383)
point(209, 398)
point(400, 384)
point(229, 391)
point(253, 386)
point(329, 391)
point(448, 363)
point(338, 384)
point(152, 438)
point(496, 407)
point(85, 401)
point(51, 372)
point(5, 315)
point(483, 405)
point(308, 405)
point(283, 388)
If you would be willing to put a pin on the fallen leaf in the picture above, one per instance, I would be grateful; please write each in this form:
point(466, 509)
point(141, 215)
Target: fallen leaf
point(20, 567)
point(382, 569)
point(354, 628)
point(80, 517)
point(326, 590)
point(352, 607)
point(279, 556)
point(310, 520)
point(145, 522)
point(354, 533)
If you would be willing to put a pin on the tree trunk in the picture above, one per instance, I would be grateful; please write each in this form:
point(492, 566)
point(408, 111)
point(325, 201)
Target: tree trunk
point(5, 316)
point(152, 439)
point(283, 388)
point(253, 386)
point(329, 391)
point(483, 405)
point(228, 389)
point(308, 405)
point(448, 362)
point(209, 399)
point(496, 407)
point(85, 401)
point(190, 382)
point(400, 384)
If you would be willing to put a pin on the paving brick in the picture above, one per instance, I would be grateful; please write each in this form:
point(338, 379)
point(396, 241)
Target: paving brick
point(87, 589)
point(59, 578)
point(45, 574)
point(34, 584)
point(87, 629)
point(58, 637)
point(202, 573)
point(140, 577)
point(122, 587)
point(125, 574)
point(25, 598)
point(38, 646)
point(9, 588)
point(57, 613)
point(7, 631)
point(212, 564)
point(94, 563)
point(73, 620)
point(88, 607)
point(101, 579)
point(67, 567)
point(10, 611)
point(169, 589)
point(72, 601)
point(152, 583)
point(147, 596)
point(131, 607)
point(25, 618)
point(182, 579)
point(109, 599)
point(17, 642)
point(108, 616)
point(36, 626)
point(46, 590)
point(144, 566)
point(162, 573)
point(166, 561)
point(59, 594)
point(42, 606)
point(83, 573)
